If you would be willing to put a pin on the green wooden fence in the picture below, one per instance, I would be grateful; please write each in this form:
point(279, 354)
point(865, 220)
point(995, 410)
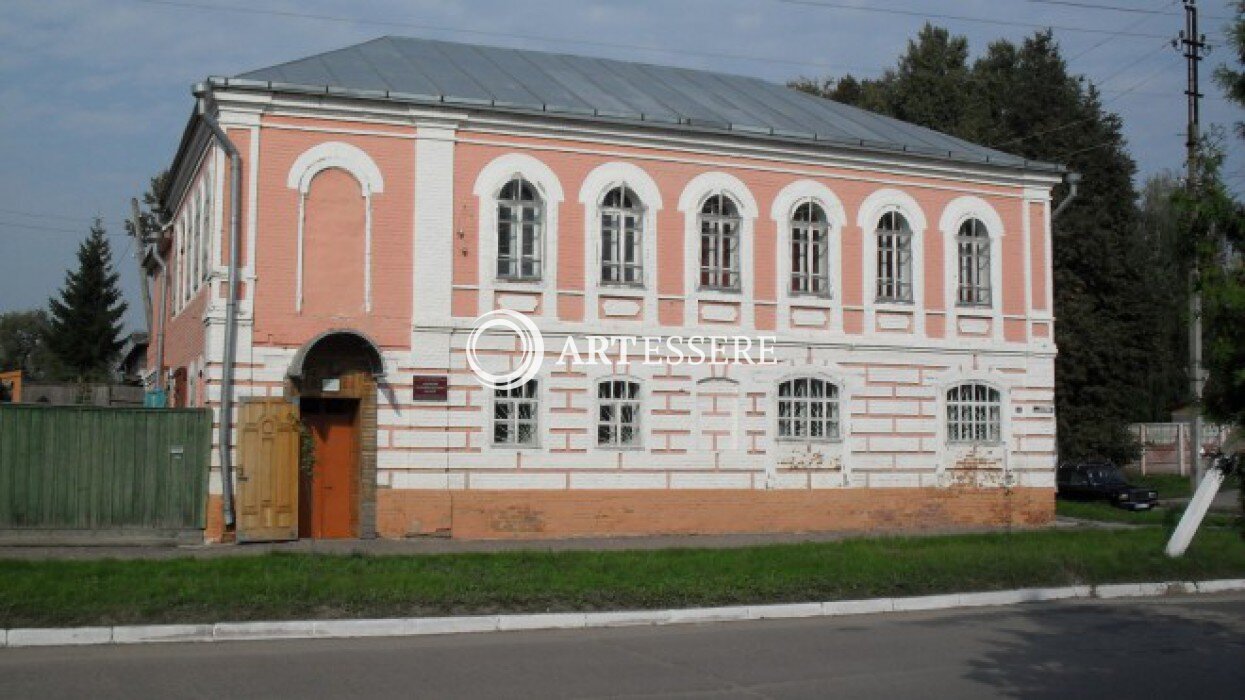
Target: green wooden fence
point(103, 470)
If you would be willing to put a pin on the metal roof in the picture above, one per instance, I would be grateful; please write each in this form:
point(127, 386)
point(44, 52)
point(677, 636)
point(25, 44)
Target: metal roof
point(505, 79)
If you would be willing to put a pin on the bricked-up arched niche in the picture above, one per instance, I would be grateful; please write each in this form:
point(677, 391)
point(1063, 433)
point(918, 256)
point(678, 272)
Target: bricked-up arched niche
point(334, 247)
point(334, 379)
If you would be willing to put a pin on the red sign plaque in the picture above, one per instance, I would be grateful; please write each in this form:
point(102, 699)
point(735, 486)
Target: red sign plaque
point(431, 388)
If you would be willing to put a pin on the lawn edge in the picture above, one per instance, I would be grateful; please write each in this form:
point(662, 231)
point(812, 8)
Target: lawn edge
point(420, 626)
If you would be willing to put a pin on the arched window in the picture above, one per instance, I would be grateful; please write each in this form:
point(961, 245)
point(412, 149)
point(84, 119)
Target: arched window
point(719, 244)
point(810, 251)
point(515, 415)
point(618, 413)
point(974, 245)
point(894, 238)
point(520, 223)
point(974, 414)
point(622, 238)
point(808, 410)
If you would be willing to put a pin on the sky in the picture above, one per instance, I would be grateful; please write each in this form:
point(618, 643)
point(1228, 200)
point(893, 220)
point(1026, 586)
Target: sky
point(94, 94)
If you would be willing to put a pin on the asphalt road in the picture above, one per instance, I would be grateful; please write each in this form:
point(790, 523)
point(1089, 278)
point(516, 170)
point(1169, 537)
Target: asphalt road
point(1186, 647)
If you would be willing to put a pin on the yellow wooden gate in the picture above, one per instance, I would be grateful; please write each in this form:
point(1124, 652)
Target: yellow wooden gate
point(268, 471)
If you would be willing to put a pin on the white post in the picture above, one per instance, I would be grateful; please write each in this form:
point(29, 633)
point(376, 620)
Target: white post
point(1193, 515)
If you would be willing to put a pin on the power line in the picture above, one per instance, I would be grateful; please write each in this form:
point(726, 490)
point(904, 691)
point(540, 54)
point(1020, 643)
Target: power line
point(1076, 122)
point(34, 228)
point(62, 217)
point(968, 18)
point(507, 35)
point(1116, 8)
point(1107, 39)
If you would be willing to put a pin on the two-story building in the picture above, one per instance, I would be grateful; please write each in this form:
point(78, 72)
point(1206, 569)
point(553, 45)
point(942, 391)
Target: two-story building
point(390, 193)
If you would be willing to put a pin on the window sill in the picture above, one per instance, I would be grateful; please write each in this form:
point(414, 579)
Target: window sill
point(512, 446)
point(810, 301)
point(899, 306)
point(513, 285)
point(622, 290)
point(733, 297)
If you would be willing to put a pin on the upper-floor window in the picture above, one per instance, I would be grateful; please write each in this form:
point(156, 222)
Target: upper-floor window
point(974, 414)
point(622, 238)
point(808, 409)
point(719, 244)
point(618, 413)
point(520, 224)
point(810, 251)
point(894, 239)
point(514, 415)
point(973, 242)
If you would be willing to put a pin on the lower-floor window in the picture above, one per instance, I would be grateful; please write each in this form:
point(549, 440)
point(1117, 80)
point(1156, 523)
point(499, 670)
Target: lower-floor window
point(618, 413)
point(808, 409)
point(514, 415)
point(974, 414)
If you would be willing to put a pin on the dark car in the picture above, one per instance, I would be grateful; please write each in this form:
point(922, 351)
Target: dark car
point(1101, 481)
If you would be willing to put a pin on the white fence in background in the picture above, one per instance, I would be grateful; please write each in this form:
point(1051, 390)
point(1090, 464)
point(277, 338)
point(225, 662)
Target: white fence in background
point(1165, 446)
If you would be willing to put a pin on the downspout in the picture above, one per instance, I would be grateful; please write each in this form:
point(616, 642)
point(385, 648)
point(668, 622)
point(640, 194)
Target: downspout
point(1073, 180)
point(164, 313)
point(231, 306)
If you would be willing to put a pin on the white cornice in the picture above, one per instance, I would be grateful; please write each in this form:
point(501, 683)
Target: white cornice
point(640, 135)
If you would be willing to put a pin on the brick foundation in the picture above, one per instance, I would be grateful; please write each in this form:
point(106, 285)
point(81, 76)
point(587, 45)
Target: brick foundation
point(215, 529)
point(478, 514)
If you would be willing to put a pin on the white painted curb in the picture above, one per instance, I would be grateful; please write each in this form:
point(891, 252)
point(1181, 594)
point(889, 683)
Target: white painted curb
point(418, 626)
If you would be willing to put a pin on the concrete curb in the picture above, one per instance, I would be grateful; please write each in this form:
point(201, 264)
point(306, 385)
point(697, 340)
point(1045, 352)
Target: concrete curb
point(418, 626)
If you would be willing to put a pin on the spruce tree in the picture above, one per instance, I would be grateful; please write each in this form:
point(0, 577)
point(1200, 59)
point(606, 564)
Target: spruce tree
point(84, 335)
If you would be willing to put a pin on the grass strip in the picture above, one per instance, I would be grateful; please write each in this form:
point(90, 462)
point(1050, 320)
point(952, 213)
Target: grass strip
point(302, 586)
point(1167, 485)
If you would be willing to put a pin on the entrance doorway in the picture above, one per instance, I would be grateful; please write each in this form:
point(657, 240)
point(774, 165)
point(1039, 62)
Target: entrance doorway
point(328, 489)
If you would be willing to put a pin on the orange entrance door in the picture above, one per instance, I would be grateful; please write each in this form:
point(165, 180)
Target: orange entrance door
point(330, 493)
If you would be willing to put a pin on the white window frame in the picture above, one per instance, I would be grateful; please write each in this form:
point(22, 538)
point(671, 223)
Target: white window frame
point(515, 208)
point(832, 407)
point(596, 185)
point(722, 228)
point(784, 206)
point(626, 224)
point(966, 417)
point(974, 260)
point(867, 218)
point(694, 195)
point(813, 243)
point(507, 397)
point(488, 185)
point(953, 216)
point(893, 242)
point(616, 424)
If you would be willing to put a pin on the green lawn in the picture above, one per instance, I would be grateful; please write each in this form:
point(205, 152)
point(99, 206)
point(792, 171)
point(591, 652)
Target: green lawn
point(292, 586)
point(1168, 485)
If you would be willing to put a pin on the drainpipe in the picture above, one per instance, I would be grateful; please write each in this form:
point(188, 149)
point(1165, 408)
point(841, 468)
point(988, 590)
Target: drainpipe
point(1073, 180)
point(231, 304)
point(164, 314)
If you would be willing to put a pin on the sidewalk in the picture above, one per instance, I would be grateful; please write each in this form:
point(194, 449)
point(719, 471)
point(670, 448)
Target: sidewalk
point(437, 545)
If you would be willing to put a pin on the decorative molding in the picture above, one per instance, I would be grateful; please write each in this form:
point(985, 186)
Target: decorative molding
point(488, 184)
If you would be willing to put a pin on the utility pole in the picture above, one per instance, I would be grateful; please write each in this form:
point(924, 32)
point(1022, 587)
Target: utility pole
point(1194, 46)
